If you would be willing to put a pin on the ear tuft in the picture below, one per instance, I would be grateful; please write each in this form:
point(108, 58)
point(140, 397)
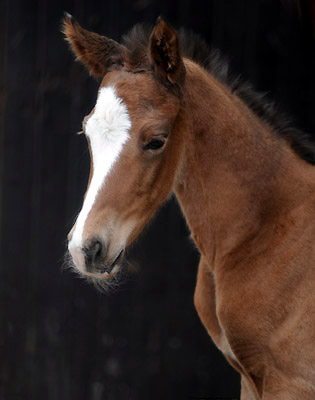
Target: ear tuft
point(67, 16)
point(165, 53)
point(98, 53)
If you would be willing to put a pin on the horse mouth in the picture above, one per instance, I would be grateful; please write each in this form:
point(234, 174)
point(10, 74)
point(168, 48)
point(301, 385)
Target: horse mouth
point(97, 269)
point(113, 267)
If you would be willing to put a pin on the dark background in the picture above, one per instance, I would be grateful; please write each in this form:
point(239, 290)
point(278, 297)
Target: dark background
point(60, 338)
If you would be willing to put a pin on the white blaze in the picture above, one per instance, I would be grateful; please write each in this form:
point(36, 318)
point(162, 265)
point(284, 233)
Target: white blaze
point(107, 130)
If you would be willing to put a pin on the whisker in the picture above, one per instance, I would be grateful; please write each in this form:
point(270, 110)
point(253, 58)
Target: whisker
point(106, 285)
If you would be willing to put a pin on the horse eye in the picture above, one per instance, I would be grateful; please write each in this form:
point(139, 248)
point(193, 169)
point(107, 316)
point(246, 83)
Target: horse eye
point(155, 144)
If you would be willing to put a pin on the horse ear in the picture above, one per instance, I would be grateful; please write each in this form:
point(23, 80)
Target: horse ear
point(98, 53)
point(165, 53)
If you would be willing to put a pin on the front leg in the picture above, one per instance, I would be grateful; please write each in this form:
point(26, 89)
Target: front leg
point(205, 302)
point(246, 390)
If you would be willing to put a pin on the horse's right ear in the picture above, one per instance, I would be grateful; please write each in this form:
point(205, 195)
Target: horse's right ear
point(98, 53)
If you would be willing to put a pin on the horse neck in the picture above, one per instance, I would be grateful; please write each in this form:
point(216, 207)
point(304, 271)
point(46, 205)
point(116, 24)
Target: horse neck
point(229, 181)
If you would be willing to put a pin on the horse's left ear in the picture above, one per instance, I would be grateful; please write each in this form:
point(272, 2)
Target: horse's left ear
point(165, 53)
point(98, 53)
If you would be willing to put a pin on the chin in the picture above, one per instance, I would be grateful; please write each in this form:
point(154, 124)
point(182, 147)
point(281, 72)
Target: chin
point(105, 281)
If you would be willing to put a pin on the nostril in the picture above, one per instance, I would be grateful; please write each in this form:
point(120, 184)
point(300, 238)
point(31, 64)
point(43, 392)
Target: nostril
point(94, 255)
point(97, 251)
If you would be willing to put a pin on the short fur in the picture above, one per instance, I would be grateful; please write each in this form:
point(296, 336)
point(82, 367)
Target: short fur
point(248, 198)
point(195, 48)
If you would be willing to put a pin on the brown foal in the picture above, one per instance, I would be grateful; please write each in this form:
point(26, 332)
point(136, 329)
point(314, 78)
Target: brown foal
point(164, 123)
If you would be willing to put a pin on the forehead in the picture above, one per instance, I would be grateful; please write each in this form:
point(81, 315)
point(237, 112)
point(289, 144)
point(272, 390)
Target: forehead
point(110, 114)
point(141, 93)
point(131, 102)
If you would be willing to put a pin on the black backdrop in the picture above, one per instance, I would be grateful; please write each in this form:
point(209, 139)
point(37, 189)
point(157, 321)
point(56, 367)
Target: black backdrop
point(60, 338)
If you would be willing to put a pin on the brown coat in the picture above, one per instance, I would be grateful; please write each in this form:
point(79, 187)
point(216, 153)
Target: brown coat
point(248, 199)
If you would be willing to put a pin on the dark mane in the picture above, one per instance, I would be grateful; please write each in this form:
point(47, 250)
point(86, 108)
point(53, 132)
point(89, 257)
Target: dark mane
point(196, 49)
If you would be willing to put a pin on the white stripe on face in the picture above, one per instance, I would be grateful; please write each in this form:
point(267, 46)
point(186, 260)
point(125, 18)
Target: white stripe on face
point(107, 130)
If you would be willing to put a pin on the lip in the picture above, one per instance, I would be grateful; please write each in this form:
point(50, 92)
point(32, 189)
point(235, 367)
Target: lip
point(116, 262)
point(110, 269)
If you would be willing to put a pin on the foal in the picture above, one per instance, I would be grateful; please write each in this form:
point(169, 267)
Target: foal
point(164, 123)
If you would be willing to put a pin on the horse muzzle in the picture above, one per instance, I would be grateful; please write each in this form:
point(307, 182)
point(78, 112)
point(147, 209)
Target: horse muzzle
point(93, 258)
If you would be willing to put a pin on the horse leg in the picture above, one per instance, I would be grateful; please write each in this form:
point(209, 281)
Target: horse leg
point(279, 387)
point(205, 303)
point(204, 300)
point(246, 390)
point(286, 394)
